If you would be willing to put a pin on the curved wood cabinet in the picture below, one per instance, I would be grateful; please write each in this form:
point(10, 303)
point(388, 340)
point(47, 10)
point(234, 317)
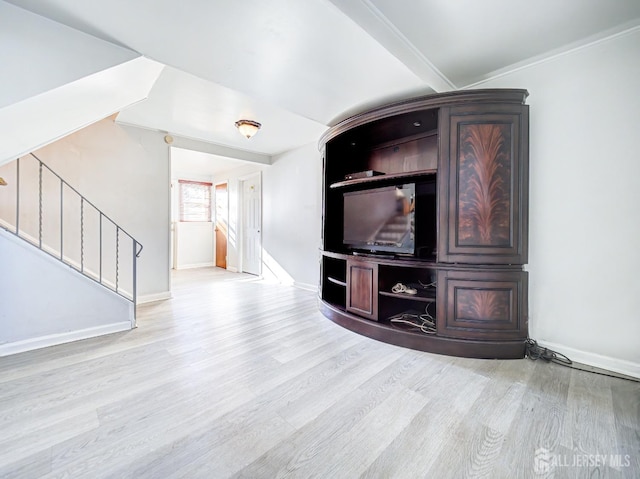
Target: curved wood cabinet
point(466, 156)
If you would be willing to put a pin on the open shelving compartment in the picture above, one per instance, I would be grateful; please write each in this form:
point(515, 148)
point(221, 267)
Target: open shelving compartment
point(408, 311)
point(334, 281)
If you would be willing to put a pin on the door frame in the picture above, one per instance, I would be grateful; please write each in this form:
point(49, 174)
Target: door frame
point(257, 176)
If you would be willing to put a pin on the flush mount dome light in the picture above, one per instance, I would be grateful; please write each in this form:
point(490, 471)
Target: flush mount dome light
point(248, 128)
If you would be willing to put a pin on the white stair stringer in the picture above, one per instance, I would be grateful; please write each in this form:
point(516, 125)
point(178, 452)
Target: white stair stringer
point(44, 302)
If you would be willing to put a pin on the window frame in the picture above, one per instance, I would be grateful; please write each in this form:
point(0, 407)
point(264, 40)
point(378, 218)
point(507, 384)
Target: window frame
point(187, 210)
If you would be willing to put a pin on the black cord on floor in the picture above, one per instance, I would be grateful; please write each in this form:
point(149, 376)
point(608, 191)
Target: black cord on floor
point(534, 351)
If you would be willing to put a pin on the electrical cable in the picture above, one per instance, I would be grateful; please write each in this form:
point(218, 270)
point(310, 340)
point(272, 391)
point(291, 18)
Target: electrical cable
point(534, 352)
point(428, 285)
point(424, 322)
point(401, 288)
point(427, 324)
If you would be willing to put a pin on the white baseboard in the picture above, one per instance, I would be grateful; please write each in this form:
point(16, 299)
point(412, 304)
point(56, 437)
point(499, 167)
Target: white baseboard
point(306, 286)
point(61, 338)
point(621, 366)
point(232, 269)
point(150, 298)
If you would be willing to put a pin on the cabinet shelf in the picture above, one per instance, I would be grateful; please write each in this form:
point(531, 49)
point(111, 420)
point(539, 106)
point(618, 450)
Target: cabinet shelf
point(372, 179)
point(337, 281)
point(423, 296)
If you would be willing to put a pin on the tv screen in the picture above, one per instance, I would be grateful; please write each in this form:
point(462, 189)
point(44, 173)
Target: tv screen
point(380, 219)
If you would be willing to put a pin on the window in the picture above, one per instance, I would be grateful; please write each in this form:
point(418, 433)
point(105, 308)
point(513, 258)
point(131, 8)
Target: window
point(195, 201)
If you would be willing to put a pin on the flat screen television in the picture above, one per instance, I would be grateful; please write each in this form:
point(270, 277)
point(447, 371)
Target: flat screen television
point(380, 219)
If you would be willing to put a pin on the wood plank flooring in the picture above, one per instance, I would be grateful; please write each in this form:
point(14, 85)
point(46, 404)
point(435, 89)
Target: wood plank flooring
point(236, 377)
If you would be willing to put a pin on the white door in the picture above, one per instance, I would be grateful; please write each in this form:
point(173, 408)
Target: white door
point(251, 225)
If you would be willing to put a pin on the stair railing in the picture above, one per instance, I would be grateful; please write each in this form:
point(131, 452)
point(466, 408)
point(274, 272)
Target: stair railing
point(96, 251)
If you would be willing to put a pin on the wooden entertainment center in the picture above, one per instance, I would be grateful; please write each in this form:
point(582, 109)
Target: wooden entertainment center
point(464, 156)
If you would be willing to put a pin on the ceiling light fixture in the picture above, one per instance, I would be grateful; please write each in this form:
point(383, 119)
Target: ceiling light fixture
point(248, 128)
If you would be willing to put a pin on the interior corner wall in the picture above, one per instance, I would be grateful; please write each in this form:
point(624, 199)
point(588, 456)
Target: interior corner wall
point(292, 215)
point(124, 171)
point(584, 293)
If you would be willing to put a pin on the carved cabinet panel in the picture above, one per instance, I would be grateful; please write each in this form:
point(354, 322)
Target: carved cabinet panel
point(482, 304)
point(362, 289)
point(484, 166)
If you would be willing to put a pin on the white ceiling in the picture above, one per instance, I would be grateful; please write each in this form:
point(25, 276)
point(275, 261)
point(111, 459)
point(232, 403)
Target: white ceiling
point(299, 66)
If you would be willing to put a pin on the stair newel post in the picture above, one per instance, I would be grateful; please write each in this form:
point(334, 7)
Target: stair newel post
point(134, 279)
point(40, 204)
point(61, 219)
point(117, 254)
point(100, 255)
point(18, 197)
point(82, 234)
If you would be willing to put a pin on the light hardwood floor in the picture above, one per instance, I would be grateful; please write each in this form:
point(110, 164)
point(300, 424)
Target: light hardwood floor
point(235, 377)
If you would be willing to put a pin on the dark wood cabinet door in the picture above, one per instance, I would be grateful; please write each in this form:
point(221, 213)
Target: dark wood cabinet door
point(484, 184)
point(482, 304)
point(362, 289)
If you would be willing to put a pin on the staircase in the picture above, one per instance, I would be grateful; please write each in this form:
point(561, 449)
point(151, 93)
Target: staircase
point(41, 208)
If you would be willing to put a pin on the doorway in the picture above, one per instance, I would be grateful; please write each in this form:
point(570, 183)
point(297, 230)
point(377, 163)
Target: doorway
point(252, 224)
point(222, 224)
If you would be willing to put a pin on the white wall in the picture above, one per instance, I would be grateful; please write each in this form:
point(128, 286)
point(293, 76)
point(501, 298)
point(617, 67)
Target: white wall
point(584, 231)
point(45, 302)
point(292, 212)
point(123, 171)
point(194, 244)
